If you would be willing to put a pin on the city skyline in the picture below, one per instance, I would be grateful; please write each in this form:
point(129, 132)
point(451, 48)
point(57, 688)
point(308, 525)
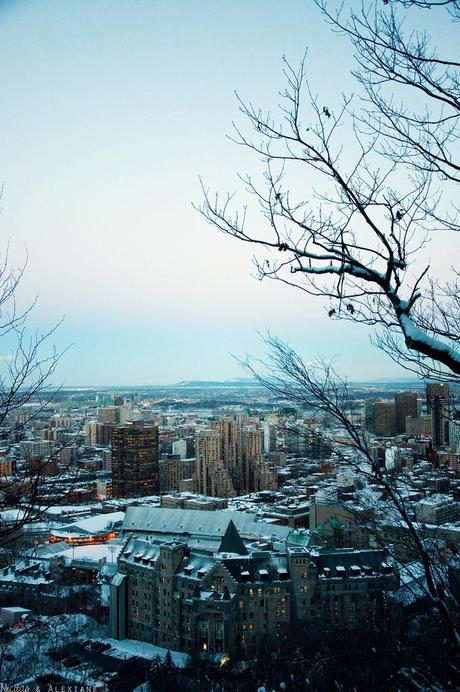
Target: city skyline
point(210, 480)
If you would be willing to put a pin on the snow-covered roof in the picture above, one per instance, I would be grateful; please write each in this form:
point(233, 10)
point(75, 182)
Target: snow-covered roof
point(93, 553)
point(213, 524)
point(92, 525)
point(130, 648)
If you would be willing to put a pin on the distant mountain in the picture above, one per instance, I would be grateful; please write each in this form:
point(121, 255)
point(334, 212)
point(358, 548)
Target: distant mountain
point(193, 384)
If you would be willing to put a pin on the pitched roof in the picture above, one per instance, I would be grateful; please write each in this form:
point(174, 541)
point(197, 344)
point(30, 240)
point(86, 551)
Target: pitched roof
point(264, 566)
point(348, 557)
point(212, 525)
point(232, 541)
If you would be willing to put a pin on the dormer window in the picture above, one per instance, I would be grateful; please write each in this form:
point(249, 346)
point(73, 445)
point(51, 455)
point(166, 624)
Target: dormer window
point(282, 573)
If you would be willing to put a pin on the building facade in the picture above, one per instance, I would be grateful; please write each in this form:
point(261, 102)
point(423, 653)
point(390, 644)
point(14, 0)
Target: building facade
point(406, 404)
point(135, 460)
point(384, 418)
point(437, 399)
point(235, 599)
point(173, 470)
point(230, 460)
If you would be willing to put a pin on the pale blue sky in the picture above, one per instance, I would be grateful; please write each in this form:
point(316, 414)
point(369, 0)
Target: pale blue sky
point(109, 111)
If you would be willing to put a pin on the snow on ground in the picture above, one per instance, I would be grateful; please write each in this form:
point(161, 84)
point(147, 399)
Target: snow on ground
point(95, 553)
point(26, 652)
point(126, 648)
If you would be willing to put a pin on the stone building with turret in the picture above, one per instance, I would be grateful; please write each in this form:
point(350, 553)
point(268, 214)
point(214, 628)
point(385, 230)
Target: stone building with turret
point(231, 596)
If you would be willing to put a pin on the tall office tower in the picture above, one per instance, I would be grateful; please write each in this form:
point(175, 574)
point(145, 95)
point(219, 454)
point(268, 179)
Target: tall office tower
point(211, 476)
point(406, 405)
point(269, 437)
point(229, 437)
point(384, 417)
point(118, 400)
point(436, 390)
point(437, 398)
point(250, 454)
point(135, 460)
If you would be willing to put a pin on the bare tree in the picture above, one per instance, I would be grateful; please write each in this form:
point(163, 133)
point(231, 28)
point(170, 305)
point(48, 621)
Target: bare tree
point(286, 375)
point(27, 363)
point(353, 194)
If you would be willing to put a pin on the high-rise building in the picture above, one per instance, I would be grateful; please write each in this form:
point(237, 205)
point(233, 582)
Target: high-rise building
point(90, 433)
point(230, 458)
point(406, 405)
point(135, 460)
point(436, 389)
point(437, 397)
point(384, 417)
point(269, 431)
point(229, 436)
point(211, 476)
point(251, 460)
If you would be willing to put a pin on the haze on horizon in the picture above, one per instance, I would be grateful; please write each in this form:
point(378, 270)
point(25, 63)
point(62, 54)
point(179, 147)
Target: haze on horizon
point(110, 112)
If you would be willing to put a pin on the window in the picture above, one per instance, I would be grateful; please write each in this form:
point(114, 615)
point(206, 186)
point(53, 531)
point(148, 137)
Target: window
point(204, 635)
point(220, 636)
point(217, 584)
